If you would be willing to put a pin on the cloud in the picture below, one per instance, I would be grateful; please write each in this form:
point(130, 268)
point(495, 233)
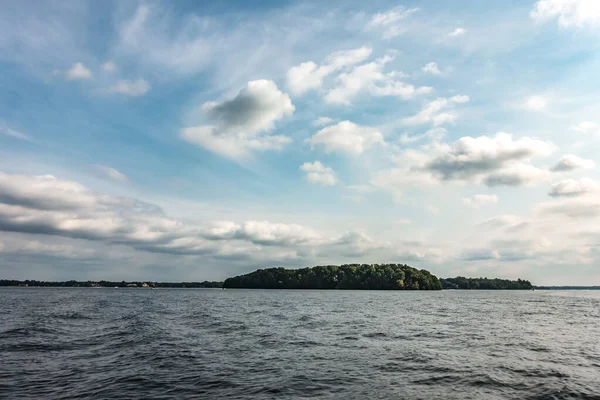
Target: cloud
point(587, 127)
point(480, 200)
point(457, 32)
point(370, 77)
point(183, 46)
point(389, 23)
point(109, 66)
point(109, 173)
point(5, 130)
point(574, 206)
point(130, 88)
point(433, 112)
point(431, 68)
point(45, 192)
point(470, 156)
point(517, 175)
point(309, 76)
point(45, 205)
point(479, 255)
point(571, 162)
point(241, 124)
point(323, 121)
point(435, 134)
point(535, 103)
point(346, 137)
point(317, 173)
point(570, 13)
point(490, 160)
point(78, 72)
point(574, 187)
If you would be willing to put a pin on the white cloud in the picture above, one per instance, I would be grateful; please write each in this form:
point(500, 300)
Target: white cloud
point(309, 76)
point(347, 137)
point(5, 130)
point(587, 127)
point(535, 103)
point(571, 162)
point(109, 66)
point(574, 187)
point(432, 112)
point(371, 78)
point(241, 124)
point(458, 32)
point(389, 23)
point(431, 68)
point(78, 71)
point(45, 205)
point(317, 173)
point(323, 121)
point(435, 134)
point(570, 13)
point(130, 88)
point(108, 173)
point(490, 160)
point(517, 175)
point(480, 200)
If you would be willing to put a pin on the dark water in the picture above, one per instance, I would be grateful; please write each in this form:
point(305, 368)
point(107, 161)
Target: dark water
point(161, 344)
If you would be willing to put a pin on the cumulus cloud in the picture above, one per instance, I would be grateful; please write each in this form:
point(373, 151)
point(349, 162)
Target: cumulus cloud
point(130, 88)
point(323, 121)
point(346, 137)
point(490, 160)
point(457, 32)
point(109, 173)
point(571, 162)
point(517, 175)
point(370, 78)
point(390, 23)
point(535, 103)
point(480, 200)
point(242, 124)
point(78, 72)
point(574, 187)
point(58, 208)
point(587, 127)
point(431, 68)
point(470, 156)
point(309, 76)
point(434, 111)
point(109, 66)
point(569, 13)
point(317, 173)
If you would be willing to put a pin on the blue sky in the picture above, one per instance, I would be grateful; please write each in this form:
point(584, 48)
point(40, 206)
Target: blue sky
point(192, 141)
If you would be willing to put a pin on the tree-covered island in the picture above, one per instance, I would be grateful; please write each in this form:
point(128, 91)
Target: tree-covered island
point(350, 276)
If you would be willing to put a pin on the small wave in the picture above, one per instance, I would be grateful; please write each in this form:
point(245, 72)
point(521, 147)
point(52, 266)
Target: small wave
point(375, 335)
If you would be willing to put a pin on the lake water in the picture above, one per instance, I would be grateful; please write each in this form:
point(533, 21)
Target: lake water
point(242, 344)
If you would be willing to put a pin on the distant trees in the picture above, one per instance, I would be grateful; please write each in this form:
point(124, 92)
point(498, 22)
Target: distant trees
point(461, 282)
point(205, 284)
point(350, 276)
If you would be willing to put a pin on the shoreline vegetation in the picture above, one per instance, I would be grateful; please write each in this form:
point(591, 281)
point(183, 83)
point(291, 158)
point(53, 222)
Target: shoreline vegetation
point(344, 277)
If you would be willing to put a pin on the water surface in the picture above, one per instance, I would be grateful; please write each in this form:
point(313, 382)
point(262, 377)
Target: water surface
point(105, 343)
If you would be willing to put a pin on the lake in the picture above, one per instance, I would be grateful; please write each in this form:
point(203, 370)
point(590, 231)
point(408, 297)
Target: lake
point(106, 343)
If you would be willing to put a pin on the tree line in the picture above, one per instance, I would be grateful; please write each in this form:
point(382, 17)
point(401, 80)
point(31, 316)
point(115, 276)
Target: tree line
point(72, 283)
point(350, 276)
point(461, 282)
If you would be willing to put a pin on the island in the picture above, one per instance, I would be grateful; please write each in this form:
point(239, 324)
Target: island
point(349, 276)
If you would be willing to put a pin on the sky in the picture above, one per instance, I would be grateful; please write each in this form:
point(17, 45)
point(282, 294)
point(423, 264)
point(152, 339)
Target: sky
point(198, 140)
